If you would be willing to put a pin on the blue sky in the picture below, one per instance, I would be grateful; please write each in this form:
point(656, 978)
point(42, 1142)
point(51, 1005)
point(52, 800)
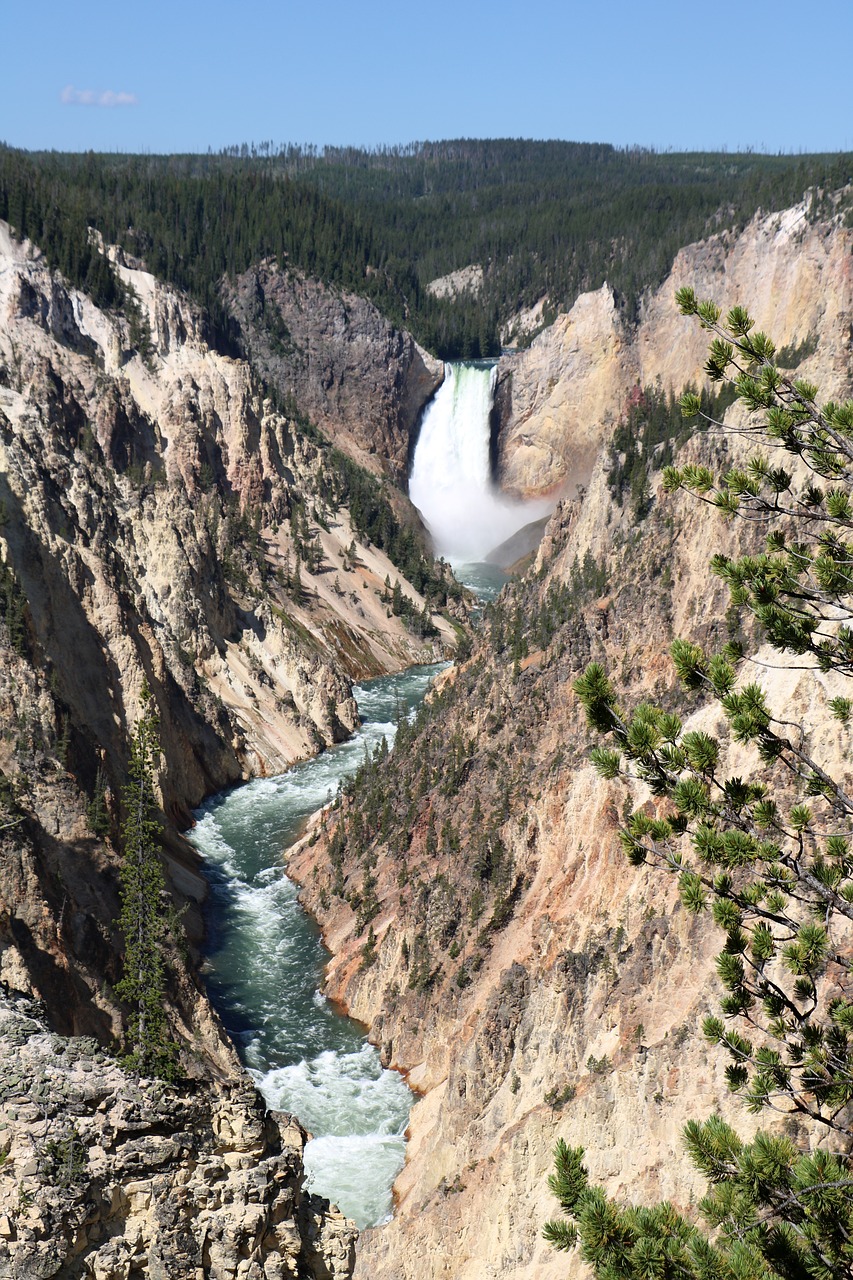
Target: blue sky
point(184, 76)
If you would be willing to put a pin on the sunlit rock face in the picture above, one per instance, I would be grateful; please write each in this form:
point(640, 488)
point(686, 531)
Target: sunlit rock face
point(557, 402)
point(107, 1175)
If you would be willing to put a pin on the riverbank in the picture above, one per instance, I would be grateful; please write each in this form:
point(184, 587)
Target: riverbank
point(265, 964)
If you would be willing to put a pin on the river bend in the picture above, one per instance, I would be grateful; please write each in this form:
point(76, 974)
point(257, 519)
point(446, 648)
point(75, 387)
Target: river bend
point(266, 961)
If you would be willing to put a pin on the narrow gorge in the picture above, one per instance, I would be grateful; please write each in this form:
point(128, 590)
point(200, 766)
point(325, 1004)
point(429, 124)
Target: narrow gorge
point(361, 583)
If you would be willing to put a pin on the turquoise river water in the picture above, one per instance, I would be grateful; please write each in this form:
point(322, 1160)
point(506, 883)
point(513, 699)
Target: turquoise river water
point(266, 963)
point(266, 959)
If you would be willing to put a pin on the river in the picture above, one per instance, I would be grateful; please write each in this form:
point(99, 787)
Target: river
point(266, 962)
point(264, 953)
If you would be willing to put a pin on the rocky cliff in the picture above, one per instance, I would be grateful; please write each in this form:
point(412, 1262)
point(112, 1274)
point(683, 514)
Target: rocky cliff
point(529, 982)
point(557, 402)
point(108, 1176)
point(363, 382)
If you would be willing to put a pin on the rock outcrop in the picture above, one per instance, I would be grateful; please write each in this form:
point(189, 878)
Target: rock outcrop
point(558, 401)
point(465, 280)
point(362, 381)
point(107, 1176)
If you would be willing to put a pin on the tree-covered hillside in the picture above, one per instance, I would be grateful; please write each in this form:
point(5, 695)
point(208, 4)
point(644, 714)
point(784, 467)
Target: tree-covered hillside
point(555, 218)
point(544, 219)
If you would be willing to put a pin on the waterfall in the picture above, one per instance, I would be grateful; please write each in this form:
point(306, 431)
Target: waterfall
point(450, 481)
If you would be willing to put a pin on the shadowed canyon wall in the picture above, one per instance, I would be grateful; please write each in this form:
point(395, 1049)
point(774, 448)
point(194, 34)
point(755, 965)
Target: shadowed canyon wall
point(363, 382)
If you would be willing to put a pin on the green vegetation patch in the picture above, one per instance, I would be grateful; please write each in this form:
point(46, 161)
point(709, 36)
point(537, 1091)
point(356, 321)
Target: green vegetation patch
point(543, 219)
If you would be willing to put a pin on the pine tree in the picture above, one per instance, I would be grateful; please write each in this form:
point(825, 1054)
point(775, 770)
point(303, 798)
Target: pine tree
point(769, 858)
point(96, 811)
point(145, 911)
point(296, 589)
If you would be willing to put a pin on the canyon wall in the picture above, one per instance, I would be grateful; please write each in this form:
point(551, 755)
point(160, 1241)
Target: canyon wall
point(559, 400)
point(362, 381)
point(482, 918)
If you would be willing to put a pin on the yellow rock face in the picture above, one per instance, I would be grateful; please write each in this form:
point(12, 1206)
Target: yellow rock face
point(559, 399)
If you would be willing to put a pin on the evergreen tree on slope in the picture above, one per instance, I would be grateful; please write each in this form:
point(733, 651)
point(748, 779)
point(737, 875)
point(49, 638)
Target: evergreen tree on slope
point(146, 914)
point(769, 858)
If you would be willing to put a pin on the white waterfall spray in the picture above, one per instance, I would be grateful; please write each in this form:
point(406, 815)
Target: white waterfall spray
point(450, 483)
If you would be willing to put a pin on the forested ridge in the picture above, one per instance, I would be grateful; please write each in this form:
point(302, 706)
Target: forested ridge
point(544, 219)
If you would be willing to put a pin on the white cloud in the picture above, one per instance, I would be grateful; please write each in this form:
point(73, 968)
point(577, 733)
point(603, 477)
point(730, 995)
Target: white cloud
point(92, 98)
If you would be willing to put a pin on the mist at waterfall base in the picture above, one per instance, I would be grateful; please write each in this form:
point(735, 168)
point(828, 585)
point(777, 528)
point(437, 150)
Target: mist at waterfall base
point(451, 482)
point(266, 960)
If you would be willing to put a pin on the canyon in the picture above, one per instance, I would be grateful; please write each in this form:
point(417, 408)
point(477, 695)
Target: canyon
point(560, 993)
point(163, 524)
point(529, 983)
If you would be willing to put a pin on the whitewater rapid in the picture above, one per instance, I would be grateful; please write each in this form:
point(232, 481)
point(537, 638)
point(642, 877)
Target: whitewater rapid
point(266, 960)
point(451, 476)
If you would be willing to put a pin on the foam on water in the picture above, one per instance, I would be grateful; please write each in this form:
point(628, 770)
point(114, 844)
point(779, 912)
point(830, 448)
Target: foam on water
point(266, 963)
point(341, 1162)
point(341, 1094)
